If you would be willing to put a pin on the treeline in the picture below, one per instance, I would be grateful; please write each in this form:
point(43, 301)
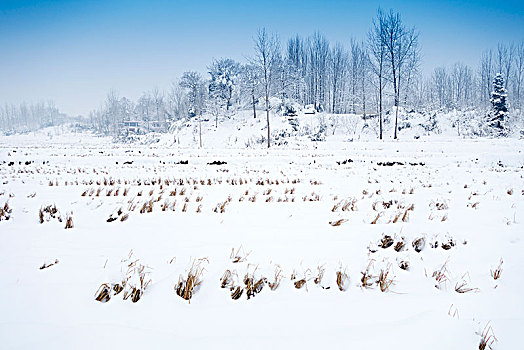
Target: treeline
point(28, 117)
point(364, 76)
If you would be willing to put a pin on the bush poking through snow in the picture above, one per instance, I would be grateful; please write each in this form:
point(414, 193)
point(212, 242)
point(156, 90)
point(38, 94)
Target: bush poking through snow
point(5, 212)
point(188, 286)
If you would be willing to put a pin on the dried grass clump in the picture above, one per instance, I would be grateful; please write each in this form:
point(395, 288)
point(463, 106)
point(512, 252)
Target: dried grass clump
point(45, 266)
point(384, 281)
point(103, 294)
point(336, 206)
point(404, 265)
point(337, 222)
point(450, 243)
point(462, 287)
point(399, 246)
point(189, 285)
point(221, 207)
point(321, 270)
point(498, 271)
point(487, 338)
point(239, 255)
point(367, 279)
point(147, 207)
point(5, 212)
point(226, 281)
point(350, 205)
point(253, 284)
point(136, 290)
point(342, 279)
point(134, 284)
point(419, 244)
point(69, 221)
point(300, 282)
point(376, 219)
point(277, 278)
point(386, 241)
point(441, 275)
point(49, 212)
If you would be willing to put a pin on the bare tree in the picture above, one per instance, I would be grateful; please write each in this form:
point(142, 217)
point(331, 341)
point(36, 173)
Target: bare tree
point(339, 63)
point(354, 72)
point(267, 54)
point(378, 50)
point(195, 85)
point(519, 74)
point(486, 76)
point(401, 44)
point(505, 55)
point(250, 79)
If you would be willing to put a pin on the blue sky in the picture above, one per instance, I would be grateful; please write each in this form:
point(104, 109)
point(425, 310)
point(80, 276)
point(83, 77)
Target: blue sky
point(74, 52)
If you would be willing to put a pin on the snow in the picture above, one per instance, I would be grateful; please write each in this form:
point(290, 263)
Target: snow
point(479, 180)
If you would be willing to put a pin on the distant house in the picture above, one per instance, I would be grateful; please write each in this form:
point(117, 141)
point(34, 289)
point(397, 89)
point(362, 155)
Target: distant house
point(131, 126)
point(140, 127)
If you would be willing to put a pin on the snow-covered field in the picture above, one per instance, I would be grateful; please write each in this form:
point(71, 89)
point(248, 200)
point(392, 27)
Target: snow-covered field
point(456, 204)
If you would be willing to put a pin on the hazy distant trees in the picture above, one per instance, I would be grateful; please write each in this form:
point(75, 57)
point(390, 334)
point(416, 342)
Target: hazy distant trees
point(338, 69)
point(27, 117)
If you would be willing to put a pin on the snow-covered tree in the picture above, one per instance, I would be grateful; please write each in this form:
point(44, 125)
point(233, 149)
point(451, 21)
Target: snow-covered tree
point(498, 116)
point(224, 79)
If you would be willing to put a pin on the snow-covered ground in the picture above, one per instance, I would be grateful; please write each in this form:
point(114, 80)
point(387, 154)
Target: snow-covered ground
point(304, 208)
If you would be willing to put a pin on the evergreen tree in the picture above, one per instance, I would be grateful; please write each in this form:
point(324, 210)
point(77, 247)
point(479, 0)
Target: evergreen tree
point(498, 115)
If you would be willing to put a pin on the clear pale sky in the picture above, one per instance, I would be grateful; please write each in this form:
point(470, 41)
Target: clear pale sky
point(74, 52)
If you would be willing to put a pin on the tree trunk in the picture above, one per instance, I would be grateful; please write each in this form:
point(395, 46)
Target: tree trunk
point(254, 110)
point(200, 129)
point(268, 132)
point(380, 103)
